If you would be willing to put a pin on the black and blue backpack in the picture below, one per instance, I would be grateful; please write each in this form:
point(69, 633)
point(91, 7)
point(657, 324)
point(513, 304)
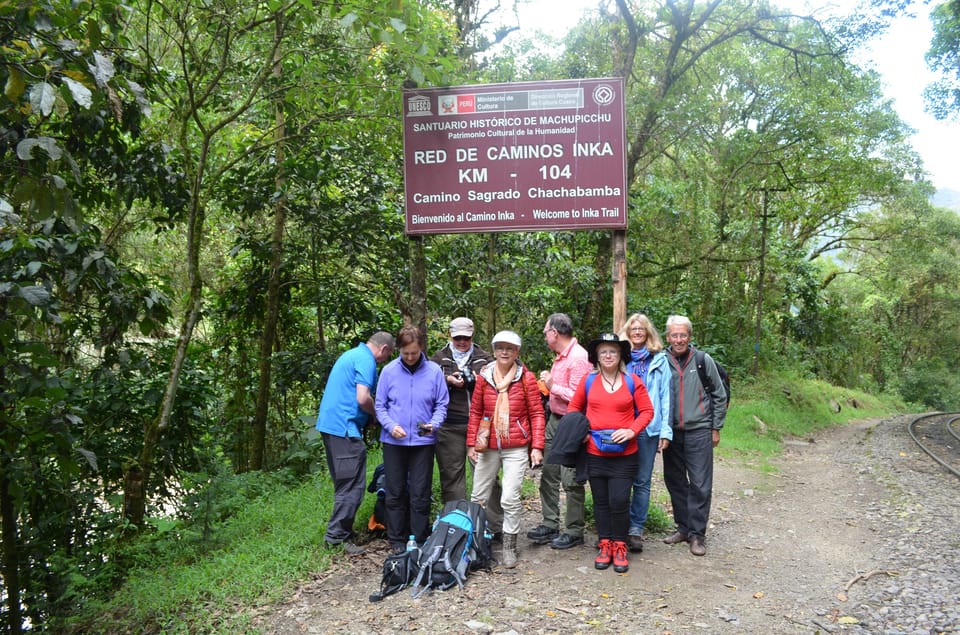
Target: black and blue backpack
point(481, 549)
point(458, 544)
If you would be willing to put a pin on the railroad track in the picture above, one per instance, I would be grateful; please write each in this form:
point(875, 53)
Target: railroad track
point(938, 435)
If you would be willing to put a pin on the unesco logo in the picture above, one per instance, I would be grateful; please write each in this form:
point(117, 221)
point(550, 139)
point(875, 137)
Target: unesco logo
point(603, 95)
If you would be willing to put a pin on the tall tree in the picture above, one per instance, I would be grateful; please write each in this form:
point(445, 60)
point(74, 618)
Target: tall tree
point(72, 145)
point(943, 58)
point(224, 68)
point(239, 93)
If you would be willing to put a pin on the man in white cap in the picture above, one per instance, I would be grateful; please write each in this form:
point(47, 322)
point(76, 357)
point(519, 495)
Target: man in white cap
point(461, 360)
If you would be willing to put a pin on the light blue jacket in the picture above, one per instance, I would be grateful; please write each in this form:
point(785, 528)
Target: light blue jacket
point(657, 382)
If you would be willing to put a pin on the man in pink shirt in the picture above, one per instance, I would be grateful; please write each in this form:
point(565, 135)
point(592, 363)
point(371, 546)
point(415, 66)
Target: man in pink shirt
point(569, 367)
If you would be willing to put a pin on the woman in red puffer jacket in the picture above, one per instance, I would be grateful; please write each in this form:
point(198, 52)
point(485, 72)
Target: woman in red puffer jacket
point(506, 429)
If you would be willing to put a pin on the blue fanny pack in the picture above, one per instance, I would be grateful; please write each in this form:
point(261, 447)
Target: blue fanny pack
point(605, 443)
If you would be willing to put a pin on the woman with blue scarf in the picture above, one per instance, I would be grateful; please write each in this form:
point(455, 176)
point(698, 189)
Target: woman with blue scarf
point(649, 363)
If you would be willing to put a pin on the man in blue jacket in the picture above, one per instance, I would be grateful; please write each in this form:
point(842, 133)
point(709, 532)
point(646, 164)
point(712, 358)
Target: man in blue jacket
point(697, 414)
point(345, 410)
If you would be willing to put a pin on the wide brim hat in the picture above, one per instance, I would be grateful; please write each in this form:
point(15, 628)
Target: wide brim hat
point(608, 338)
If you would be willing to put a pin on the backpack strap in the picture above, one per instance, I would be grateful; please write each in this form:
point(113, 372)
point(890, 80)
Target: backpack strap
point(700, 358)
point(426, 572)
point(591, 376)
point(589, 379)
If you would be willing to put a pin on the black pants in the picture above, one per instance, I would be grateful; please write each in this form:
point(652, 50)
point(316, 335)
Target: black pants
point(451, 452)
point(409, 474)
point(688, 475)
point(347, 461)
point(611, 480)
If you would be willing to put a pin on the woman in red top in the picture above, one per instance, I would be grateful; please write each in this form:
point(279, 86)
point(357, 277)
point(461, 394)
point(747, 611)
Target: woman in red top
point(616, 418)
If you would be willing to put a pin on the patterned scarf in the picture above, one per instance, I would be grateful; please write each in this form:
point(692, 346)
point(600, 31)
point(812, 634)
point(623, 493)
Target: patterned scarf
point(461, 358)
point(501, 411)
point(639, 362)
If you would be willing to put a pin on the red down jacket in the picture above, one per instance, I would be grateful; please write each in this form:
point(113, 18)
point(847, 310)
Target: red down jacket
point(527, 424)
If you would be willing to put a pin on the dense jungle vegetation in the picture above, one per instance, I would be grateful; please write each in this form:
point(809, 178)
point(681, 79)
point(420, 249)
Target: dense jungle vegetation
point(201, 206)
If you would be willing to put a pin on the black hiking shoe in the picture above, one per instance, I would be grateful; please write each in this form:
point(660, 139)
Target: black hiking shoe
point(542, 534)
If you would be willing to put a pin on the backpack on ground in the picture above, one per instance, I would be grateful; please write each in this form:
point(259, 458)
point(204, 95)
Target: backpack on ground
point(445, 556)
point(705, 378)
point(481, 549)
point(399, 570)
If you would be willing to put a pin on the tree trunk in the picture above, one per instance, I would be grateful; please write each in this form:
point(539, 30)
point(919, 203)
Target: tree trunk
point(8, 518)
point(11, 555)
point(491, 318)
point(138, 474)
point(619, 279)
point(758, 328)
point(592, 319)
point(418, 284)
point(269, 335)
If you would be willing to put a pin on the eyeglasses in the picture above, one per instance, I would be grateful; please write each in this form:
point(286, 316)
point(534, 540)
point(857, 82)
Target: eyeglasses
point(462, 338)
point(678, 336)
point(548, 329)
point(505, 349)
point(637, 329)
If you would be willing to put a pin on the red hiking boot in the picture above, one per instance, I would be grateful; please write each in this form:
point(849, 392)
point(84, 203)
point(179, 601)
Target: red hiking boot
point(620, 563)
point(603, 558)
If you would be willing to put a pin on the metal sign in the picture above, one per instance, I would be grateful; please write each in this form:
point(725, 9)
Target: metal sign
point(515, 157)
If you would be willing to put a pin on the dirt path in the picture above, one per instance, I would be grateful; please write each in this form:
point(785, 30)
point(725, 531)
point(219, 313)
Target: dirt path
point(780, 551)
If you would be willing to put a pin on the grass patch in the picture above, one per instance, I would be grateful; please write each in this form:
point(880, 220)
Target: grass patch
point(265, 551)
point(658, 520)
point(766, 412)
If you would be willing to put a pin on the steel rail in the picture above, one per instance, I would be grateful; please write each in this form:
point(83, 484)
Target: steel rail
point(911, 428)
point(951, 430)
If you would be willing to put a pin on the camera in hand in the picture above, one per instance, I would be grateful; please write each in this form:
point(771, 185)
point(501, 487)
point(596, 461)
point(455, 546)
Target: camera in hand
point(469, 379)
point(423, 429)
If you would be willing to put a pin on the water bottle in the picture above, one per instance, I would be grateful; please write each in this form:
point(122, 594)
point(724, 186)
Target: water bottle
point(412, 543)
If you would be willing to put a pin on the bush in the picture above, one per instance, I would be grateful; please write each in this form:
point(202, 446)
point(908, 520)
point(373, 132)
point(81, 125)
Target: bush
point(930, 383)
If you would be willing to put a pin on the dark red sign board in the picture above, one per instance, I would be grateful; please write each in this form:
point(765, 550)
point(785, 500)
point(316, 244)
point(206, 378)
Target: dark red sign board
point(515, 157)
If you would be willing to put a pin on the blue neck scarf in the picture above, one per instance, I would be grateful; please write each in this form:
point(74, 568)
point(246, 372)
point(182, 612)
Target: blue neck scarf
point(639, 362)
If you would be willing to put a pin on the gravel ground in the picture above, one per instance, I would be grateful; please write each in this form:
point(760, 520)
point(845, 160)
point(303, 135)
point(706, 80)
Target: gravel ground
point(919, 525)
point(857, 532)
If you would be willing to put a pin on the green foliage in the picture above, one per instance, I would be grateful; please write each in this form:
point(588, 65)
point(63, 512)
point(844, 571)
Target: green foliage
point(144, 166)
point(66, 307)
point(777, 407)
point(179, 583)
point(244, 540)
point(931, 383)
point(943, 58)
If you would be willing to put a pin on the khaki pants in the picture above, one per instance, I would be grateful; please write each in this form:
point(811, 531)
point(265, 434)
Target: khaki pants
point(514, 463)
point(552, 478)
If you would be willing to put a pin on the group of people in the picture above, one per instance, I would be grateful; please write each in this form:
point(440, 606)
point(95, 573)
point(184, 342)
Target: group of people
point(610, 408)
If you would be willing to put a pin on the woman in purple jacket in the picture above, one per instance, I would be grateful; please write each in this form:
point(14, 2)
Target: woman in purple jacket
point(411, 404)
